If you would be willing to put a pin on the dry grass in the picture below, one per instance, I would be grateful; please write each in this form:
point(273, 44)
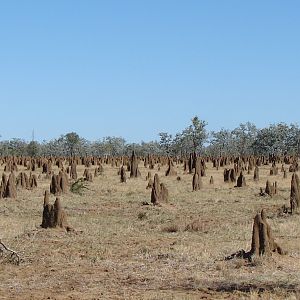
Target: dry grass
point(125, 250)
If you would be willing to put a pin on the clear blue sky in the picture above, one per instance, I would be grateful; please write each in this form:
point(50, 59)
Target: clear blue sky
point(136, 68)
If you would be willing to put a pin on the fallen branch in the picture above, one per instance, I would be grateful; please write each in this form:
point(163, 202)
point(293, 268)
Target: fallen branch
point(13, 253)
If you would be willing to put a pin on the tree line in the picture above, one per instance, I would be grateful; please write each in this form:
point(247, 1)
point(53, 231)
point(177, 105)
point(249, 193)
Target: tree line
point(246, 139)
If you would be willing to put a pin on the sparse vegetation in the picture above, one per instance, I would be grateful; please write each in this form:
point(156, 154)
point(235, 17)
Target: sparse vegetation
point(128, 250)
point(79, 186)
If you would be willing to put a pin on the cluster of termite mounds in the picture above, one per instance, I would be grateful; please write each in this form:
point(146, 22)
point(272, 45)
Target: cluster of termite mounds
point(234, 170)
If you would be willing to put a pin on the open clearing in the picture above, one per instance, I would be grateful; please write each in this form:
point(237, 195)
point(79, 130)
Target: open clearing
point(122, 249)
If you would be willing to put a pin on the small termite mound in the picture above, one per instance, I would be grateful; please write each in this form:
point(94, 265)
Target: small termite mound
point(32, 181)
point(73, 171)
point(256, 174)
point(150, 184)
point(159, 192)
point(241, 181)
point(23, 181)
point(197, 182)
point(149, 175)
point(229, 175)
point(171, 170)
point(271, 190)
point(123, 175)
point(87, 175)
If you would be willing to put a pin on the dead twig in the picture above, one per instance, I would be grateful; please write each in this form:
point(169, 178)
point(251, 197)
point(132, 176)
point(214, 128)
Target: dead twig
point(13, 254)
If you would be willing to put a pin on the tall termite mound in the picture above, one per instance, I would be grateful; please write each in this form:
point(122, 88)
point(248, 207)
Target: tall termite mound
point(256, 174)
point(73, 171)
point(241, 181)
point(295, 193)
point(197, 182)
point(150, 183)
point(123, 174)
point(229, 175)
point(171, 170)
point(87, 175)
point(53, 214)
point(23, 181)
point(263, 242)
point(271, 190)
point(149, 175)
point(159, 192)
point(32, 181)
point(59, 183)
point(134, 170)
point(10, 190)
point(3, 185)
point(274, 169)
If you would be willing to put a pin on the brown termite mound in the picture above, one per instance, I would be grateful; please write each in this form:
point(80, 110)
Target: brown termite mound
point(100, 169)
point(54, 215)
point(149, 175)
point(32, 181)
point(73, 171)
point(3, 185)
point(256, 174)
point(150, 184)
point(171, 170)
point(155, 193)
point(295, 196)
point(63, 181)
point(274, 170)
point(134, 170)
point(229, 175)
point(241, 181)
point(197, 182)
point(269, 189)
point(10, 189)
point(263, 243)
point(164, 193)
point(23, 181)
point(159, 192)
point(87, 175)
point(54, 185)
point(123, 174)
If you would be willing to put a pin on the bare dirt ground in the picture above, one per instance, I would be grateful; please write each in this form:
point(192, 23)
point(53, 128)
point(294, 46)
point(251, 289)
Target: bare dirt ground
point(122, 249)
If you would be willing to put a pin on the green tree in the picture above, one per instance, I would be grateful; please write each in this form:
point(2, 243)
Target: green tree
point(196, 134)
point(72, 140)
point(165, 142)
point(33, 149)
point(244, 137)
point(222, 142)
